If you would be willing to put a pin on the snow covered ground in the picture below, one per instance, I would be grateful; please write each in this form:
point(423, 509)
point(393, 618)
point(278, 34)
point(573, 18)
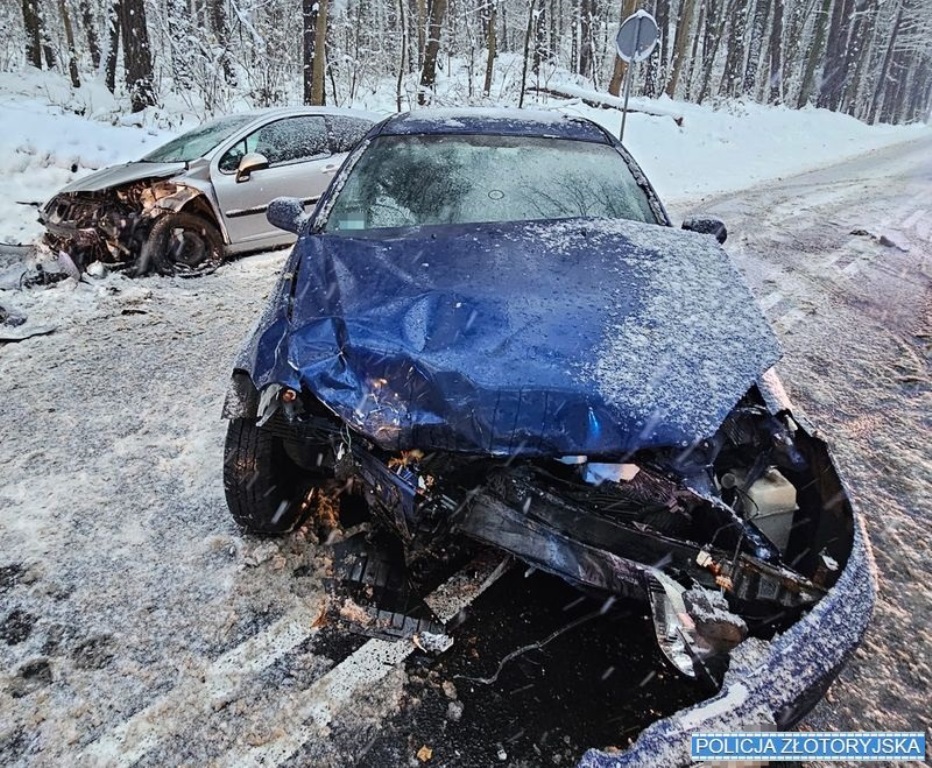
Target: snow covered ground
point(130, 601)
point(53, 134)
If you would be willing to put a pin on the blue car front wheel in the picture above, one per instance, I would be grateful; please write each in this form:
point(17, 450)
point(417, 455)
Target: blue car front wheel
point(266, 491)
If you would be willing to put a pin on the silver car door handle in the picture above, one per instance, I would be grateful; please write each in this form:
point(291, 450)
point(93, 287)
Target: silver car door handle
point(330, 169)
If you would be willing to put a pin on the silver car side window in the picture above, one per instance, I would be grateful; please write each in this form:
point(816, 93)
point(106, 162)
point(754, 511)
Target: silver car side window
point(290, 140)
point(294, 139)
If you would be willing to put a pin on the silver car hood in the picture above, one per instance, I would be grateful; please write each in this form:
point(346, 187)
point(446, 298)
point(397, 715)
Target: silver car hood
point(118, 175)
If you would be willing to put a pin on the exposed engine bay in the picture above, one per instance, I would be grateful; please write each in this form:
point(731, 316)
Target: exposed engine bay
point(736, 536)
point(113, 225)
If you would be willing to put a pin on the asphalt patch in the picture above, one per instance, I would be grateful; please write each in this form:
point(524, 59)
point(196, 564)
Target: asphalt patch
point(590, 675)
point(16, 627)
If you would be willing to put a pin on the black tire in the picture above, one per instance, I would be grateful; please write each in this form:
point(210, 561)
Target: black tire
point(265, 489)
point(181, 244)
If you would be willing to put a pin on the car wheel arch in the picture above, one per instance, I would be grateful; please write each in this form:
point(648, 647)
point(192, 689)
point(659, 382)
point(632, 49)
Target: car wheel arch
point(195, 201)
point(242, 397)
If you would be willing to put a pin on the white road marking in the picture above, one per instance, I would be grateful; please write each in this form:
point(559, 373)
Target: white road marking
point(913, 219)
point(771, 300)
point(854, 267)
point(831, 259)
point(135, 737)
point(360, 671)
point(790, 319)
point(924, 229)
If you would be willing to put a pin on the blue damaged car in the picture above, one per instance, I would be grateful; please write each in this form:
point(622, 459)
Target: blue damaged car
point(489, 328)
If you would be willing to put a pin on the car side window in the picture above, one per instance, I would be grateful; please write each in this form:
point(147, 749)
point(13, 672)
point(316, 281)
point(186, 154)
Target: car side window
point(290, 140)
point(346, 132)
point(230, 160)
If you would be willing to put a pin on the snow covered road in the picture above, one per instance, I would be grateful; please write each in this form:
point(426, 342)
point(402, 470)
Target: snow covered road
point(138, 627)
point(841, 261)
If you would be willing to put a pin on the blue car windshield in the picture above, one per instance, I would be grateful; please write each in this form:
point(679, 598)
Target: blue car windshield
point(198, 142)
point(415, 180)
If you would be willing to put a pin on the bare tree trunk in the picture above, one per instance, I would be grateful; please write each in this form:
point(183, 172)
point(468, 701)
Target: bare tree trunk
point(33, 38)
point(694, 54)
point(421, 37)
point(585, 38)
point(714, 31)
point(834, 72)
point(794, 21)
point(308, 37)
point(438, 9)
point(734, 62)
point(755, 45)
point(492, 48)
point(815, 54)
point(113, 50)
point(402, 23)
point(683, 28)
point(556, 33)
point(574, 35)
point(137, 57)
point(901, 80)
point(218, 23)
point(47, 49)
point(527, 47)
point(319, 70)
point(69, 41)
point(90, 31)
point(663, 23)
point(882, 92)
point(856, 53)
point(619, 69)
point(885, 67)
point(540, 43)
point(921, 93)
point(776, 54)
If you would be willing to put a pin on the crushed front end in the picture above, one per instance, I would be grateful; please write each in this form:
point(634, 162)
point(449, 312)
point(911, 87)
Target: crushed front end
point(736, 537)
point(110, 224)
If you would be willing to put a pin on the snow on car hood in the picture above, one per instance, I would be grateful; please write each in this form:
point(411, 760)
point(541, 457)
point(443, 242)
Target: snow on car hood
point(118, 175)
point(537, 338)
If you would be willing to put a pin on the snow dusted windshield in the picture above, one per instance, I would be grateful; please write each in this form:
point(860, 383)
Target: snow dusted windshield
point(403, 181)
point(197, 143)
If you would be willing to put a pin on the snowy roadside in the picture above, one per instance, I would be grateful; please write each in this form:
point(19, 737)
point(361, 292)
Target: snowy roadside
point(46, 143)
point(135, 614)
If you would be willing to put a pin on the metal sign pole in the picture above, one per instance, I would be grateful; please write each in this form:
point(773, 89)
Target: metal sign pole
point(624, 112)
point(636, 38)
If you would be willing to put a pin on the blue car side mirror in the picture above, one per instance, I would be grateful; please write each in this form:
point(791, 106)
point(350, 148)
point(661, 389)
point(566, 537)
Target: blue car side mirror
point(707, 225)
point(286, 213)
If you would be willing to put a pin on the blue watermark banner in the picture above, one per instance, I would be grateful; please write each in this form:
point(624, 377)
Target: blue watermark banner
point(847, 747)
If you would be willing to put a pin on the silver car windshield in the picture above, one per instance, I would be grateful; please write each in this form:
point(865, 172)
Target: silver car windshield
point(403, 181)
point(198, 142)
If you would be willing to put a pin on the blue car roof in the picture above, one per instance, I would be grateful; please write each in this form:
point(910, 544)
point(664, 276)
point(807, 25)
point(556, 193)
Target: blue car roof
point(495, 122)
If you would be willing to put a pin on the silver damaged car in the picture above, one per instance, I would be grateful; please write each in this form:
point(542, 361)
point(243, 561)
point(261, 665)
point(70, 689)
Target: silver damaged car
point(202, 197)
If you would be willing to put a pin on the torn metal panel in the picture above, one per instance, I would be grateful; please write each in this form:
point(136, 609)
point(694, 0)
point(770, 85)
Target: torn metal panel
point(121, 175)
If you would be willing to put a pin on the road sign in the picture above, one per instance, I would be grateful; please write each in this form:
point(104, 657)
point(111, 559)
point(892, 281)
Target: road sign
point(635, 41)
point(637, 37)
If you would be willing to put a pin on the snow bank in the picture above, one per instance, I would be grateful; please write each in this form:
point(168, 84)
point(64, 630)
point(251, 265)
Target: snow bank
point(738, 145)
point(54, 133)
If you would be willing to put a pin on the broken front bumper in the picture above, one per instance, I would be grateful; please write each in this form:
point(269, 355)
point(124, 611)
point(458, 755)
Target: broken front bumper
point(770, 685)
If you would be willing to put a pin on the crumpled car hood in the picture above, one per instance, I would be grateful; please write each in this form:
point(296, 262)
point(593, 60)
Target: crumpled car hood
point(118, 175)
point(534, 338)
